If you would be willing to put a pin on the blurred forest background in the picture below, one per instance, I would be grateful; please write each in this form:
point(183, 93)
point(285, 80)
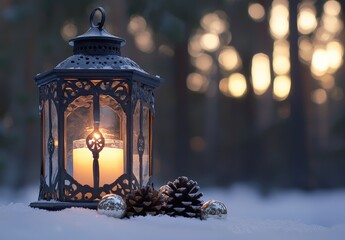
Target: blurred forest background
point(253, 90)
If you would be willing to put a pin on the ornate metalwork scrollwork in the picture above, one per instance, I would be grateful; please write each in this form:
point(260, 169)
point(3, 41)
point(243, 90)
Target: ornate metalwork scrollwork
point(50, 145)
point(47, 192)
point(46, 92)
point(144, 93)
point(119, 90)
point(74, 191)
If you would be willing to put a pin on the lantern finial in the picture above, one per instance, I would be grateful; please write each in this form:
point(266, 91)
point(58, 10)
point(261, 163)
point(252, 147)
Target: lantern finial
point(92, 16)
point(97, 41)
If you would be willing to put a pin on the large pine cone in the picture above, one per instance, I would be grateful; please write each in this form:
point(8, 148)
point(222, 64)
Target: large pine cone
point(182, 198)
point(144, 201)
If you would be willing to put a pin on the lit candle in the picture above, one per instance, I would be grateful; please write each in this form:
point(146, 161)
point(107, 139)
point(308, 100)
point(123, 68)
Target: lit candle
point(110, 162)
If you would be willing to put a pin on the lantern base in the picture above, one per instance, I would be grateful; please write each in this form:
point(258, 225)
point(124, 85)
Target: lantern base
point(57, 206)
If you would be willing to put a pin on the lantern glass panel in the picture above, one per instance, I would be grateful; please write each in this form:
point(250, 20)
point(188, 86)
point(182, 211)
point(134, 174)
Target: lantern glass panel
point(79, 124)
point(50, 136)
point(113, 128)
point(147, 156)
point(141, 166)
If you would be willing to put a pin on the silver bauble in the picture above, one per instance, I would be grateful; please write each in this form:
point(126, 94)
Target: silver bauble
point(213, 209)
point(164, 191)
point(112, 205)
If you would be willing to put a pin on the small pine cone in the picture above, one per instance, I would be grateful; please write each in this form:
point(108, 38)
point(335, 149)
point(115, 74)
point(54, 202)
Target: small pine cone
point(183, 198)
point(144, 201)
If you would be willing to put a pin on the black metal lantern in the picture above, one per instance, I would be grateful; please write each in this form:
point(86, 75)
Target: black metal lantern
point(96, 111)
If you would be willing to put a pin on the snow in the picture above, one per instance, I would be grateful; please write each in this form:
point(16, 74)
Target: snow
point(281, 215)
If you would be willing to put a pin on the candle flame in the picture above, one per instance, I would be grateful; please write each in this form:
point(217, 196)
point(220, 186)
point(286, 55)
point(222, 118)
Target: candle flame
point(96, 136)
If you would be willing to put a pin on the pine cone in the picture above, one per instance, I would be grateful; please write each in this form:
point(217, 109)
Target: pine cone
point(183, 198)
point(143, 201)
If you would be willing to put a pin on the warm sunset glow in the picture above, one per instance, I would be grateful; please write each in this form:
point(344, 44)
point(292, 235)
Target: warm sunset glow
point(256, 11)
point(307, 21)
point(209, 42)
point(197, 82)
point(261, 75)
point(281, 87)
point(237, 85)
point(229, 59)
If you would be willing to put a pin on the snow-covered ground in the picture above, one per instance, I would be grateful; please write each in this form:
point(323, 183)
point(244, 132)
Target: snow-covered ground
point(282, 215)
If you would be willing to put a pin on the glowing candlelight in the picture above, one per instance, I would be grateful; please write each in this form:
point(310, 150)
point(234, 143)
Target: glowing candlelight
point(110, 162)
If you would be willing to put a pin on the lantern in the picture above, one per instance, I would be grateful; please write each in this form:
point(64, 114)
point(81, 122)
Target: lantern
point(96, 111)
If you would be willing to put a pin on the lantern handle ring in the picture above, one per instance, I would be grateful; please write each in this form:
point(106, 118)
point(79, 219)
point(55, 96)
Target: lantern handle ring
point(100, 24)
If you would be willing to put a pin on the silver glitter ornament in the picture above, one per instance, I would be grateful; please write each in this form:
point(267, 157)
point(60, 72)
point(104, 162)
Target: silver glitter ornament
point(164, 191)
point(112, 205)
point(213, 209)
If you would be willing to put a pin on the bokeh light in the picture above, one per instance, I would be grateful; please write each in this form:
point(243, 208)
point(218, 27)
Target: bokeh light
point(256, 11)
point(305, 49)
point(319, 62)
point(332, 23)
point(136, 24)
point(197, 82)
point(143, 37)
point(281, 87)
point(166, 50)
point(214, 22)
point(327, 81)
point(281, 47)
point(261, 74)
point(307, 21)
point(224, 87)
point(319, 96)
point(197, 143)
point(335, 52)
point(279, 20)
point(144, 41)
point(194, 47)
point(69, 30)
point(281, 64)
point(203, 62)
point(229, 59)
point(332, 8)
point(281, 57)
point(322, 35)
point(209, 42)
point(237, 85)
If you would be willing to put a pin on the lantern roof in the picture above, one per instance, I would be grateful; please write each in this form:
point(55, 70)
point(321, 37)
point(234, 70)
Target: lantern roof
point(98, 49)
